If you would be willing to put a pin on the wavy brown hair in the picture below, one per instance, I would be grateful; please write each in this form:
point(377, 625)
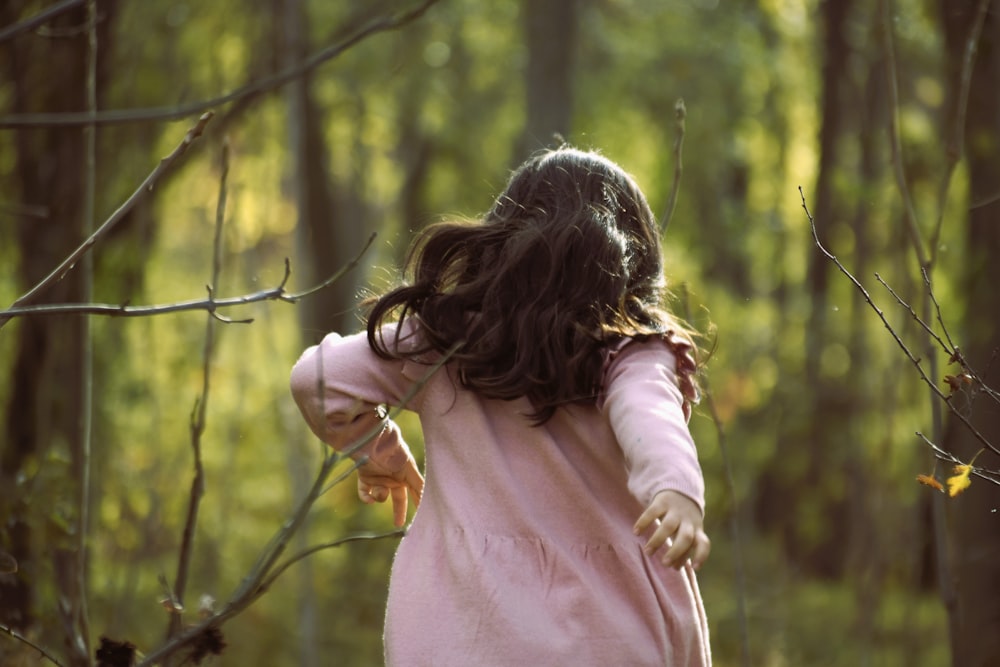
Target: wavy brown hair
point(565, 264)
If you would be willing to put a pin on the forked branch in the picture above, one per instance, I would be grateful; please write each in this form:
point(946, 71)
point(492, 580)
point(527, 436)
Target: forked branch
point(952, 351)
point(210, 304)
point(267, 569)
point(19, 307)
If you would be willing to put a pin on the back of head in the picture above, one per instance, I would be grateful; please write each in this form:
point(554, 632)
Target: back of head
point(565, 263)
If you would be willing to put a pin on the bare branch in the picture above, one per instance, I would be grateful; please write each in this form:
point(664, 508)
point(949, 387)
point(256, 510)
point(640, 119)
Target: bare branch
point(293, 298)
point(147, 185)
point(198, 417)
point(954, 354)
point(935, 390)
point(734, 511)
point(956, 142)
point(210, 304)
point(894, 140)
point(264, 570)
point(359, 537)
point(937, 310)
point(947, 349)
point(858, 285)
point(680, 114)
point(24, 640)
point(38, 19)
point(940, 454)
point(83, 451)
point(360, 461)
point(254, 88)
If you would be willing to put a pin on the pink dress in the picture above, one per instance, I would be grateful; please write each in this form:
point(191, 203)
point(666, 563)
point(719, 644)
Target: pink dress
point(522, 551)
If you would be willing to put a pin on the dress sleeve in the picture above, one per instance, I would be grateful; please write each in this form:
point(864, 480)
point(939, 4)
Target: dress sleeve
point(647, 410)
point(339, 385)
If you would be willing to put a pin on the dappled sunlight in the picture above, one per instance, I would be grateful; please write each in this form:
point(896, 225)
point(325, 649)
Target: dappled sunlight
point(813, 397)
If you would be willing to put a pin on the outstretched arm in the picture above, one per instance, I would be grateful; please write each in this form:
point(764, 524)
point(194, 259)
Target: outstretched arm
point(646, 408)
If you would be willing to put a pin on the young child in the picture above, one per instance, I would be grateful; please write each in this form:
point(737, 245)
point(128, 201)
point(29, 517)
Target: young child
point(561, 522)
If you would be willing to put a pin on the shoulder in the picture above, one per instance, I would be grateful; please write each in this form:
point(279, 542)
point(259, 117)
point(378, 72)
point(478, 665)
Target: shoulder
point(666, 357)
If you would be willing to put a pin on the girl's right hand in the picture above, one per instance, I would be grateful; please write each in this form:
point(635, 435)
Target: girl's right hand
point(680, 525)
point(377, 484)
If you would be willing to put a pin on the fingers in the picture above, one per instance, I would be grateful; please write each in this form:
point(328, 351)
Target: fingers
point(415, 483)
point(379, 494)
point(678, 525)
point(651, 514)
point(683, 542)
point(702, 548)
point(372, 493)
point(687, 544)
point(380, 488)
point(399, 506)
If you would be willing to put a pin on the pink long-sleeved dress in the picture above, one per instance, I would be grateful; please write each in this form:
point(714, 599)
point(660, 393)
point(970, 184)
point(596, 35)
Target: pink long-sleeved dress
point(522, 551)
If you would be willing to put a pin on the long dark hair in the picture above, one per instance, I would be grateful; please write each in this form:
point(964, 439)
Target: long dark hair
point(566, 263)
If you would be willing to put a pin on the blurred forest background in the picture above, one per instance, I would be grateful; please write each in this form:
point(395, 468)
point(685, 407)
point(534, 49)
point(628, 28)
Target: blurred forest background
point(825, 549)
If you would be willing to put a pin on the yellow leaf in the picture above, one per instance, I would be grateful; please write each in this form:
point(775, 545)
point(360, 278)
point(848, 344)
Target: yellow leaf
point(931, 482)
point(960, 481)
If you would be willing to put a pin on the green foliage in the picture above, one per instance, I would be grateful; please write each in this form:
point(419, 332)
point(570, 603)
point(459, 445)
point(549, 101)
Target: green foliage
point(739, 244)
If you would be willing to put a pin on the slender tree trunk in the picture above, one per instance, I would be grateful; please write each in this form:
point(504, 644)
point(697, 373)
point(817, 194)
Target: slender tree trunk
point(869, 548)
point(292, 17)
point(825, 205)
point(44, 416)
point(550, 34)
point(333, 225)
point(807, 448)
point(975, 526)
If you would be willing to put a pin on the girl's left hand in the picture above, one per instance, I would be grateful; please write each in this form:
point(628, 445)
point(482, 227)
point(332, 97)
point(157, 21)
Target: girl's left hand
point(680, 525)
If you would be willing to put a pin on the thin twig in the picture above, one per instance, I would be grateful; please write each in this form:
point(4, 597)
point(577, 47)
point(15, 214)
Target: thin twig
point(264, 85)
point(894, 138)
point(81, 613)
point(250, 589)
point(945, 347)
point(861, 288)
point(937, 309)
point(944, 455)
point(296, 296)
point(734, 511)
point(945, 567)
point(954, 353)
point(24, 640)
point(984, 201)
point(211, 304)
point(198, 418)
point(885, 322)
point(734, 522)
point(359, 537)
point(60, 271)
point(38, 19)
point(680, 114)
point(357, 463)
point(956, 142)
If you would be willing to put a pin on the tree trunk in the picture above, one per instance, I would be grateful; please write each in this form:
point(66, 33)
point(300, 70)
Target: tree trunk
point(825, 205)
point(550, 34)
point(332, 226)
point(870, 548)
point(314, 217)
point(44, 415)
point(975, 526)
point(807, 448)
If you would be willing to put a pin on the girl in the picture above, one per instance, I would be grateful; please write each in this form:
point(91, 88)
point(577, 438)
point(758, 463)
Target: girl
point(562, 519)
